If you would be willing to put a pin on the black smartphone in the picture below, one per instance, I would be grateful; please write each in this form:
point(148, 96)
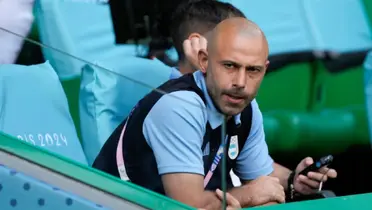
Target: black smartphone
point(324, 161)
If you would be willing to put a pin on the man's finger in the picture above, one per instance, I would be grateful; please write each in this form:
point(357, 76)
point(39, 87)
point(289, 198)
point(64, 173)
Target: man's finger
point(203, 43)
point(278, 193)
point(305, 190)
point(232, 208)
point(195, 43)
point(279, 196)
point(275, 179)
point(230, 200)
point(319, 177)
point(187, 47)
point(330, 172)
point(323, 170)
point(308, 161)
point(309, 182)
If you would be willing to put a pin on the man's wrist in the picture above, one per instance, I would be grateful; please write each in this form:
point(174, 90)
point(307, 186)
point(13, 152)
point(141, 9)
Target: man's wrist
point(241, 194)
point(210, 201)
point(290, 186)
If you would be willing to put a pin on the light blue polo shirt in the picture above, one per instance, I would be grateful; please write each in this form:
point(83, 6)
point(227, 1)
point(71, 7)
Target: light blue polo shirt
point(174, 129)
point(175, 73)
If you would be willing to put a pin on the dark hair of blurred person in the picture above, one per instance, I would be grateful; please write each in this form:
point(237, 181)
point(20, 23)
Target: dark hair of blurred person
point(198, 16)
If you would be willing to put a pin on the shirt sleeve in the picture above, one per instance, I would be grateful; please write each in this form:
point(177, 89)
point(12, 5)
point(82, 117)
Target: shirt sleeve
point(174, 130)
point(254, 159)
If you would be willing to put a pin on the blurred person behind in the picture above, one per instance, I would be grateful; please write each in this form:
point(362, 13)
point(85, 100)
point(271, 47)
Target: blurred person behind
point(15, 16)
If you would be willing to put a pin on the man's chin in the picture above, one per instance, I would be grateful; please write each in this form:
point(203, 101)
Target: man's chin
point(231, 111)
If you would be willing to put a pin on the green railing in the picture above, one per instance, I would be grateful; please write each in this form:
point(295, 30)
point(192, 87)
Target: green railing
point(355, 202)
point(87, 175)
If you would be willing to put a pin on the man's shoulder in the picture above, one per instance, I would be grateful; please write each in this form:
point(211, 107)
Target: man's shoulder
point(256, 112)
point(181, 92)
point(181, 100)
point(179, 114)
point(175, 111)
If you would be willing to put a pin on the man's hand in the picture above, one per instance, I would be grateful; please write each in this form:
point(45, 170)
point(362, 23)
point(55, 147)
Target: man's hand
point(266, 189)
point(310, 184)
point(192, 46)
point(261, 191)
point(231, 202)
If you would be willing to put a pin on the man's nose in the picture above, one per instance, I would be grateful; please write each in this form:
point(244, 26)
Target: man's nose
point(240, 79)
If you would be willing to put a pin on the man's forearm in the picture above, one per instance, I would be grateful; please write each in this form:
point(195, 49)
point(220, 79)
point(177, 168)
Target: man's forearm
point(240, 193)
point(282, 173)
point(209, 201)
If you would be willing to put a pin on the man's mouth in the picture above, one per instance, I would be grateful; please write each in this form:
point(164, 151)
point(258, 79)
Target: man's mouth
point(234, 99)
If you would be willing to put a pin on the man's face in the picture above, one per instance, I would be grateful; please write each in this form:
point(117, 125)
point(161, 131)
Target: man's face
point(234, 71)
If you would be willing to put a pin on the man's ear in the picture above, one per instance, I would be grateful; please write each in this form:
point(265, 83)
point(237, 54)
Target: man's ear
point(267, 64)
point(194, 35)
point(203, 60)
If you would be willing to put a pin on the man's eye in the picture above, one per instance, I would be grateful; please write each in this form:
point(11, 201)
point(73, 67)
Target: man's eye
point(253, 69)
point(228, 65)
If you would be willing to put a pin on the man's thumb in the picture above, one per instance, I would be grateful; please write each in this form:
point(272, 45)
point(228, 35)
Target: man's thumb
point(308, 161)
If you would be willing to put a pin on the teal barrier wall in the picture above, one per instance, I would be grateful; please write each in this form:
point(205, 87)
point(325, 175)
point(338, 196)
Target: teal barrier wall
point(148, 199)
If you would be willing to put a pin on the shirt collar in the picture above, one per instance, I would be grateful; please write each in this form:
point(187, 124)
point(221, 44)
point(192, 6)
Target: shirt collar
point(215, 118)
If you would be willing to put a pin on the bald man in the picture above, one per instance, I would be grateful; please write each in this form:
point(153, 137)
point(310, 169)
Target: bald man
point(171, 143)
point(292, 181)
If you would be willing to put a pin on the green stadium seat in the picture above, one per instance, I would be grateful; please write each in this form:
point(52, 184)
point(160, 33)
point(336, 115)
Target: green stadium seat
point(327, 132)
point(339, 75)
point(337, 89)
point(272, 131)
point(71, 87)
point(338, 81)
point(287, 88)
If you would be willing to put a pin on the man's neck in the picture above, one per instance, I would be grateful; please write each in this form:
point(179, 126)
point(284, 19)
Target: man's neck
point(185, 67)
